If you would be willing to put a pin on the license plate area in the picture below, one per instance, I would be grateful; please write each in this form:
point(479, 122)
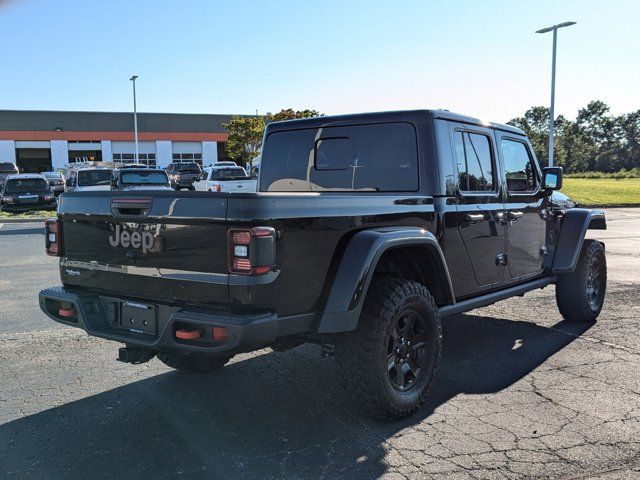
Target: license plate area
point(138, 318)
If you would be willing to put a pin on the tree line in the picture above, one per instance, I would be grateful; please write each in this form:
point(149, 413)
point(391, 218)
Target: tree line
point(245, 132)
point(595, 142)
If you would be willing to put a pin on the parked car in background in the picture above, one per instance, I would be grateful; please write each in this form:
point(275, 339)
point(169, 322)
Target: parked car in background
point(27, 191)
point(6, 169)
point(140, 179)
point(223, 178)
point(125, 166)
point(255, 166)
point(56, 181)
point(562, 202)
point(89, 178)
point(183, 174)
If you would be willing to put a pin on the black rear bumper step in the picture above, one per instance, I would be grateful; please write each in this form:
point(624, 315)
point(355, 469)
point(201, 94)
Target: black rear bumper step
point(99, 316)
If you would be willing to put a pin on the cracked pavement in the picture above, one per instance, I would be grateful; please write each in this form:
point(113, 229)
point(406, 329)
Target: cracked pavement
point(520, 394)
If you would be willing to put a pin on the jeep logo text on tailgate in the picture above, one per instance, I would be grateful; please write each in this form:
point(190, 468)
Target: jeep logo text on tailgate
point(136, 240)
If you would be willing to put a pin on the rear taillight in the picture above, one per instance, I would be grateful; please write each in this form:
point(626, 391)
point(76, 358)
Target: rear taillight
point(53, 237)
point(251, 251)
point(217, 188)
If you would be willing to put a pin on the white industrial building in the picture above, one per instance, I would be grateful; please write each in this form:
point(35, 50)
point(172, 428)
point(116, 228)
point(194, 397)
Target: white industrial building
point(48, 140)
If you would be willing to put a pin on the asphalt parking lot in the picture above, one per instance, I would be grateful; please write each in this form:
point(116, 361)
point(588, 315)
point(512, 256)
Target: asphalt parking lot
point(520, 394)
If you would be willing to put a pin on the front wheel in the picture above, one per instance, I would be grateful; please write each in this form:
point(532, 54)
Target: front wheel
point(580, 294)
point(389, 362)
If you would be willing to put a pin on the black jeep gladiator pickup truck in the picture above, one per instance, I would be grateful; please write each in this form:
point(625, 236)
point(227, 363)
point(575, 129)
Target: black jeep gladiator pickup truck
point(365, 232)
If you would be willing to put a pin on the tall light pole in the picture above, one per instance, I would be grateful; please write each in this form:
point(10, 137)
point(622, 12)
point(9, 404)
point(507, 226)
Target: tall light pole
point(135, 115)
point(553, 29)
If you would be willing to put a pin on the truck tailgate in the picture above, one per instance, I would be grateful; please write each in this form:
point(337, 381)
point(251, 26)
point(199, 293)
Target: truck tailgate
point(162, 246)
point(238, 185)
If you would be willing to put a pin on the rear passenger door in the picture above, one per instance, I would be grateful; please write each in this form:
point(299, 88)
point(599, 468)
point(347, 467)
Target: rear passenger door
point(526, 212)
point(480, 205)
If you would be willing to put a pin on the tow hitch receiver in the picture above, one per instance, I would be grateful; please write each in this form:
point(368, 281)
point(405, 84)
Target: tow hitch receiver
point(135, 355)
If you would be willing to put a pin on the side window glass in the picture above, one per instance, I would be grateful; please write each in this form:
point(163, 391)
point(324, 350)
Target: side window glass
point(473, 158)
point(520, 171)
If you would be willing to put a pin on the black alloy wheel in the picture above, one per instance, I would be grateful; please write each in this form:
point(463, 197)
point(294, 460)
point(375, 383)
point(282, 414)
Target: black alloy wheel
point(407, 351)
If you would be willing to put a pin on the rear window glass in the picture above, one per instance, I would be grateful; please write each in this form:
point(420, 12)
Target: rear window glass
point(231, 173)
point(143, 178)
point(26, 186)
point(187, 168)
point(91, 178)
point(369, 158)
point(8, 167)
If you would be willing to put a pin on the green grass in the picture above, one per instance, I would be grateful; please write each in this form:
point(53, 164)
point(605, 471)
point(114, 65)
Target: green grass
point(29, 214)
point(603, 191)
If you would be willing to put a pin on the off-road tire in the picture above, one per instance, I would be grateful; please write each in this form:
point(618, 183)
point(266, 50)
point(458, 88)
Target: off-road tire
point(576, 299)
point(194, 362)
point(362, 355)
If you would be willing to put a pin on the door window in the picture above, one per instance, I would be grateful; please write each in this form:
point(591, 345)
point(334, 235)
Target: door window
point(475, 165)
point(520, 171)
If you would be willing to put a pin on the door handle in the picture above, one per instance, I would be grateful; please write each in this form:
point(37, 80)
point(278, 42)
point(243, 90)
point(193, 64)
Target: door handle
point(514, 215)
point(474, 217)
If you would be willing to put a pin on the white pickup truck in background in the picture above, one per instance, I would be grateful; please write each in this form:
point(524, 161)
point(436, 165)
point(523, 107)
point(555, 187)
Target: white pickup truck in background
point(225, 178)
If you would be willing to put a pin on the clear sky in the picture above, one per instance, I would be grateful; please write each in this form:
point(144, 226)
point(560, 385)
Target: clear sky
point(476, 57)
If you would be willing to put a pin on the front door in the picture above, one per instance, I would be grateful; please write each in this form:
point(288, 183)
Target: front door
point(480, 204)
point(526, 212)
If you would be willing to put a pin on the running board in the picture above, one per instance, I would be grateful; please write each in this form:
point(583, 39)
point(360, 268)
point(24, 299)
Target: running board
point(493, 297)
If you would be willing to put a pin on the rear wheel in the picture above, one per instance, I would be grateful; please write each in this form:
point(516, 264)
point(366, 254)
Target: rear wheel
point(389, 362)
point(580, 294)
point(194, 362)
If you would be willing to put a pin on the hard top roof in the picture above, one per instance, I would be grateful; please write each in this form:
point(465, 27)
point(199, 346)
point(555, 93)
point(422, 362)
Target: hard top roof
point(25, 176)
point(141, 170)
point(396, 115)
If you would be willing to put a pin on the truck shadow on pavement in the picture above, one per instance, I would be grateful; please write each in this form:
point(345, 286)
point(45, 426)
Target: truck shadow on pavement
point(278, 415)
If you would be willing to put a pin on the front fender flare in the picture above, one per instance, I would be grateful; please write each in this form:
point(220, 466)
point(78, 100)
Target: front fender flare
point(573, 229)
point(355, 271)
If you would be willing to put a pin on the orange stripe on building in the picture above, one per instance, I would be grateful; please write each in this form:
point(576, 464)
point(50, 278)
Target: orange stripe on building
point(117, 136)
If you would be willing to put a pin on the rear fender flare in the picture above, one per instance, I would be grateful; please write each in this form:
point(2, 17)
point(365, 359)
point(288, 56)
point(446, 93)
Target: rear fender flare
point(355, 271)
point(575, 223)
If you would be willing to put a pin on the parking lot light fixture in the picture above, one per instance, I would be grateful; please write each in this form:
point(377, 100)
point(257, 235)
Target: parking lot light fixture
point(553, 29)
point(135, 116)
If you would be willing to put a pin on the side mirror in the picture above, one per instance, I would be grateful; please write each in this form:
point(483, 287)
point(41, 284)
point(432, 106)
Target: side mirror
point(68, 182)
point(552, 178)
point(114, 182)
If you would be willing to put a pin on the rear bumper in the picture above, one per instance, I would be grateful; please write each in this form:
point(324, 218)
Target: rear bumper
point(100, 316)
point(182, 183)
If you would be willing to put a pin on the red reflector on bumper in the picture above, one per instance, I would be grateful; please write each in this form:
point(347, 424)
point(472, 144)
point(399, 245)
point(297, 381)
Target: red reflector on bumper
point(220, 334)
point(188, 334)
point(67, 312)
